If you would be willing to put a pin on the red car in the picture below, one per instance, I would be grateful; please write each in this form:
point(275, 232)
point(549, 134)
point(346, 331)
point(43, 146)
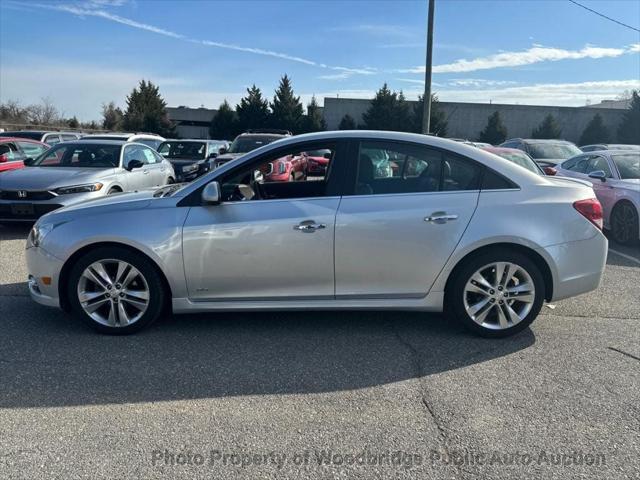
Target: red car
point(13, 152)
point(317, 162)
point(286, 169)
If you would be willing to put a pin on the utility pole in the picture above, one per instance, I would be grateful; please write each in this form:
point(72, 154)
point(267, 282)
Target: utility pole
point(426, 113)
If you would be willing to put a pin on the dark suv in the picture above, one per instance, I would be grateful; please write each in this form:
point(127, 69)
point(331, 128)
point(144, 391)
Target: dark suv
point(250, 140)
point(190, 158)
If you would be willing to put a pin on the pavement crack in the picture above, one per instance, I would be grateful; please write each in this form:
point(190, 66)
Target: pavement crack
point(420, 373)
point(624, 353)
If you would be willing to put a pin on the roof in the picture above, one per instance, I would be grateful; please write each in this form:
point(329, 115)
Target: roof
point(122, 134)
point(85, 140)
point(539, 140)
point(502, 150)
point(20, 139)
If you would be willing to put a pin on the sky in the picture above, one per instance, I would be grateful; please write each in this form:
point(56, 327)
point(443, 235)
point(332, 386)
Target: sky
point(83, 53)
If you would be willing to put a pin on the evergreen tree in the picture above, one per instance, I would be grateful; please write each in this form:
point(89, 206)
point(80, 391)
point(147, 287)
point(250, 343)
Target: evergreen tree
point(495, 132)
point(111, 116)
point(313, 121)
point(402, 117)
point(629, 129)
point(286, 108)
point(223, 125)
point(595, 132)
point(548, 129)
point(73, 122)
point(347, 123)
point(253, 110)
point(382, 110)
point(437, 119)
point(146, 111)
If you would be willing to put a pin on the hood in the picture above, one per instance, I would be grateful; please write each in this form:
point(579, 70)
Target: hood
point(229, 156)
point(49, 178)
point(111, 203)
point(181, 162)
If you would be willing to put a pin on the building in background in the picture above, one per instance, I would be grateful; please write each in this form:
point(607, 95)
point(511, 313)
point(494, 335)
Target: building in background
point(466, 120)
point(191, 122)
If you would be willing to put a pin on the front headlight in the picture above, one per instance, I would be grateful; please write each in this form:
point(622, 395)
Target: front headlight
point(37, 234)
point(190, 168)
point(89, 187)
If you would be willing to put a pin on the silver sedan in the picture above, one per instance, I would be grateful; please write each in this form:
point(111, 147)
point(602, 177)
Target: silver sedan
point(450, 228)
point(72, 172)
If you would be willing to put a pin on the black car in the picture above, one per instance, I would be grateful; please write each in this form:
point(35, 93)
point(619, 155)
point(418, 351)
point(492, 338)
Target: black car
point(250, 140)
point(191, 158)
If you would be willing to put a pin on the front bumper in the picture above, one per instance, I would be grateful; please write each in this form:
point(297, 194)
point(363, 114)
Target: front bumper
point(42, 265)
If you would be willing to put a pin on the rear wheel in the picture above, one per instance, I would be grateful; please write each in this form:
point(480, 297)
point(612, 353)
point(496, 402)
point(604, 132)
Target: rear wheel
point(624, 223)
point(497, 294)
point(115, 291)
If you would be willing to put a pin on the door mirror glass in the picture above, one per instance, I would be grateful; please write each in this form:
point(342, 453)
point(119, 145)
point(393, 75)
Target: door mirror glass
point(211, 194)
point(598, 174)
point(134, 164)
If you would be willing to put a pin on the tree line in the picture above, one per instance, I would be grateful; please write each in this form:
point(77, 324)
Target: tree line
point(595, 132)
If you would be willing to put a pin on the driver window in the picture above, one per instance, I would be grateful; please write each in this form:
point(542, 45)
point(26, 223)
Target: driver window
point(597, 162)
point(134, 152)
point(300, 173)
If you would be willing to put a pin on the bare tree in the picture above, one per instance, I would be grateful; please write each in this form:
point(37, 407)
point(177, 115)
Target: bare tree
point(44, 113)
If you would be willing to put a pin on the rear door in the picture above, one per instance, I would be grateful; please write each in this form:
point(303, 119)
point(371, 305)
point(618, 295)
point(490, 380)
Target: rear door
point(400, 224)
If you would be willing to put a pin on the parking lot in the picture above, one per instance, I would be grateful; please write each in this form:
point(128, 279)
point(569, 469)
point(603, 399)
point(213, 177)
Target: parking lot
point(322, 395)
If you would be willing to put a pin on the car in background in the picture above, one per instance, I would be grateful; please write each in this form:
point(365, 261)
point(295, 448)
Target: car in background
point(317, 162)
point(447, 232)
point(44, 136)
point(248, 141)
point(289, 168)
point(615, 175)
point(190, 158)
point(520, 158)
point(608, 146)
point(72, 172)
point(150, 139)
point(546, 153)
point(14, 151)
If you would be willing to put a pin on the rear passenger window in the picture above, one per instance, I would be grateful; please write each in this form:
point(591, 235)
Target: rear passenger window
point(390, 168)
point(493, 181)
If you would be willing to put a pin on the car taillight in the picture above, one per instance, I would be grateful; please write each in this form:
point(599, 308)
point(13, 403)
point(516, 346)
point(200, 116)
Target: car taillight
point(591, 210)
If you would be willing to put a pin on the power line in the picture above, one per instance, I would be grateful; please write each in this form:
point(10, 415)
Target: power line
point(604, 16)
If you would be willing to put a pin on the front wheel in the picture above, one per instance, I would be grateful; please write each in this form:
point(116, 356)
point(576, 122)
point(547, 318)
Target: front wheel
point(624, 223)
point(497, 294)
point(115, 291)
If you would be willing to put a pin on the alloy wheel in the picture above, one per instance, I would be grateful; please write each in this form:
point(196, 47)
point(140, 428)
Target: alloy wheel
point(113, 293)
point(499, 295)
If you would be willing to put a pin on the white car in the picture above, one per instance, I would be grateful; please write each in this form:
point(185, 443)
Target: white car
point(453, 228)
point(615, 176)
point(150, 139)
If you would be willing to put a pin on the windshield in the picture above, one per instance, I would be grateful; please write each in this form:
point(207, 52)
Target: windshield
point(183, 150)
point(559, 151)
point(247, 143)
point(628, 165)
point(521, 159)
point(80, 155)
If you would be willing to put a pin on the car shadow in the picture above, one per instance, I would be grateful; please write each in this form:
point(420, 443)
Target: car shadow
point(15, 231)
point(48, 359)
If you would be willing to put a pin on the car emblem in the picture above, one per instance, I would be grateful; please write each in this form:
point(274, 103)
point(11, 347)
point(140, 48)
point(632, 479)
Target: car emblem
point(22, 194)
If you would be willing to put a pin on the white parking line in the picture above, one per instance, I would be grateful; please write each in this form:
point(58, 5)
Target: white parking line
point(624, 255)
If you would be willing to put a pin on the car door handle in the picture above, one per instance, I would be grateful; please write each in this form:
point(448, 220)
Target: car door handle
point(440, 217)
point(309, 226)
point(146, 172)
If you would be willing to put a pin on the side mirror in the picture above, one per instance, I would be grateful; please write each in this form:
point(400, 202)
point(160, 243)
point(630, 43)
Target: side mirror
point(223, 150)
point(134, 164)
point(213, 155)
point(5, 158)
point(549, 171)
point(211, 194)
point(27, 161)
point(598, 175)
point(327, 155)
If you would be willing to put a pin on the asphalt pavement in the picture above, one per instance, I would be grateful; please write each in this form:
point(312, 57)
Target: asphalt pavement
point(321, 394)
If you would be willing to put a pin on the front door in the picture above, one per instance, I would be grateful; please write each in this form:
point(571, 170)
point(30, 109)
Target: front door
point(138, 178)
point(409, 208)
point(265, 240)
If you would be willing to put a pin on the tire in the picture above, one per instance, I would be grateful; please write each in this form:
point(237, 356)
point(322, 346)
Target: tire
point(462, 295)
point(624, 223)
point(143, 279)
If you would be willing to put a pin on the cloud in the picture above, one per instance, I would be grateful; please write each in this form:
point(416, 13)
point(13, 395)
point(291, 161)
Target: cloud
point(92, 9)
point(535, 54)
point(479, 82)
